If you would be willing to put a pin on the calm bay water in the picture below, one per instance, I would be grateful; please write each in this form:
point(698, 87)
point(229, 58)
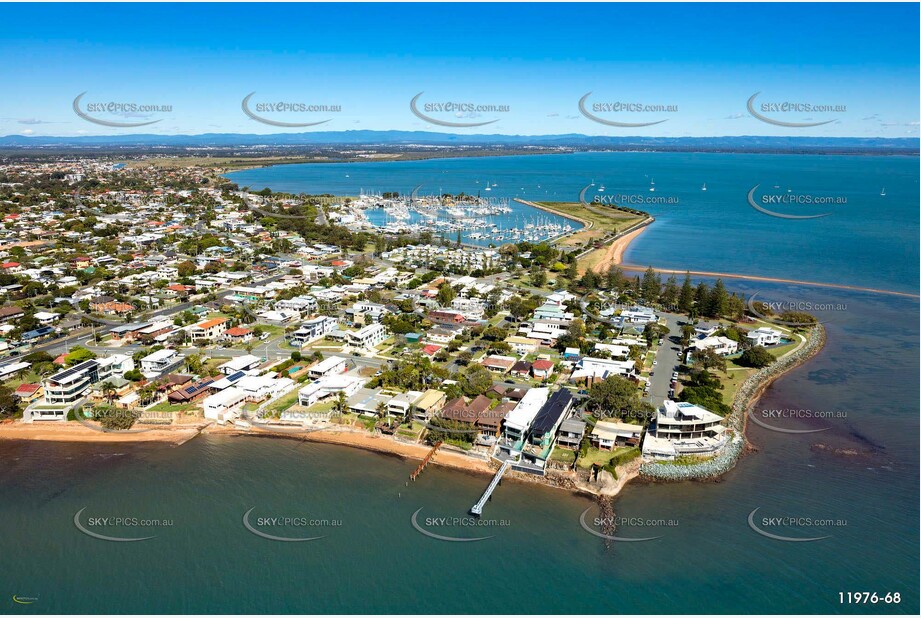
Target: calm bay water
point(542, 561)
point(870, 241)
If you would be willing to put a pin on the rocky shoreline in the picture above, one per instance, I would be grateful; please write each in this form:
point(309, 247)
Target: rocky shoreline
point(745, 398)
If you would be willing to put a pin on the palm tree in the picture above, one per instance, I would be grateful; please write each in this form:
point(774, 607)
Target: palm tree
point(108, 391)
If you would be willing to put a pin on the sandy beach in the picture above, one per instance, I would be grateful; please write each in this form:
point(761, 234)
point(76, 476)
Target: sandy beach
point(72, 431)
point(614, 252)
point(371, 442)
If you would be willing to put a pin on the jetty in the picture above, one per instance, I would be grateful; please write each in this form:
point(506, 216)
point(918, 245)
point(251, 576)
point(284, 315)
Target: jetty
point(477, 509)
point(425, 461)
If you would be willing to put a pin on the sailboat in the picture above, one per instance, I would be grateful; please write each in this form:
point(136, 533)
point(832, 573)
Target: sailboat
point(488, 188)
point(704, 188)
point(883, 192)
point(652, 185)
point(601, 189)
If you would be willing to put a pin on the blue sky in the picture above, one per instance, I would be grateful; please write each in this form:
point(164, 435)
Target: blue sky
point(704, 60)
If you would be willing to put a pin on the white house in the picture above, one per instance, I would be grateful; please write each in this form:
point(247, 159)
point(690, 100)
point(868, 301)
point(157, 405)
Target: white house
point(763, 336)
point(159, 362)
point(720, 345)
point(519, 420)
point(329, 386)
point(683, 428)
point(313, 329)
point(327, 367)
point(240, 363)
point(638, 315)
point(225, 405)
point(600, 368)
point(367, 337)
point(46, 318)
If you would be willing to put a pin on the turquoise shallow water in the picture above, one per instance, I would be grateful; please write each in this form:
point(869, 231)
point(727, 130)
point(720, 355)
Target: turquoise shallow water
point(542, 561)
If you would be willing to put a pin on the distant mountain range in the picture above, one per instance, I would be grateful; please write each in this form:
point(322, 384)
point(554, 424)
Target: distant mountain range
point(408, 139)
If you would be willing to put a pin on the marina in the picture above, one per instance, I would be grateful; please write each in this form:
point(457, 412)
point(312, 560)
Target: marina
point(471, 219)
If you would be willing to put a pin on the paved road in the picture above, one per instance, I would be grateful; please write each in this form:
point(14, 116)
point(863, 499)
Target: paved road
point(667, 361)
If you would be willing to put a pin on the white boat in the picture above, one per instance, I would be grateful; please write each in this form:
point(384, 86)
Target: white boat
point(704, 188)
point(601, 189)
point(883, 192)
point(652, 185)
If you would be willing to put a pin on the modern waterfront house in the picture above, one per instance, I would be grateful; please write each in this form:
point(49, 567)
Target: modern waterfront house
point(683, 428)
point(763, 336)
point(542, 433)
point(68, 386)
point(329, 386)
point(519, 420)
point(224, 405)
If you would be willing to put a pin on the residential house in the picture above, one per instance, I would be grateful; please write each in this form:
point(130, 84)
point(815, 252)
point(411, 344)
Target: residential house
point(160, 362)
point(329, 386)
point(609, 434)
point(327, 367)
point(542, 368)
point(429, 404)
point(238, 334)
point(720, 345)
point(224, 405)
point(499, 364)
point(521, 369)
point(313, 329)
point(245, 362)
point(571, 432)
point(208, 330)
point(683, 428)
point(763, 336)
point(367, 337)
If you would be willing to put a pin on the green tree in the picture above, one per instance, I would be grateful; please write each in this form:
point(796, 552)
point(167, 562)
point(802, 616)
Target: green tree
point(475, 380)
point(617, 397)
point(446, 294)
point(9, 403)
point(78, 355)
point(651, 286)
point(755, 357)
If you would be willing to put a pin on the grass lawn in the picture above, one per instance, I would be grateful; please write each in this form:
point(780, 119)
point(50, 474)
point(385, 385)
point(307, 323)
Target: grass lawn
point(600, 457)
point(169, 407)
point(563, 455)
point(605, 220)
point(322, 406)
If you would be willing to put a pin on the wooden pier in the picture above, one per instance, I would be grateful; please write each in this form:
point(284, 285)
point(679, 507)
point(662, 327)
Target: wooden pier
point(425, 461)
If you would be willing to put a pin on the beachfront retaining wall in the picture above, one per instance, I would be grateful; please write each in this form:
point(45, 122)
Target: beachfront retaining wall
point(745, 397)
